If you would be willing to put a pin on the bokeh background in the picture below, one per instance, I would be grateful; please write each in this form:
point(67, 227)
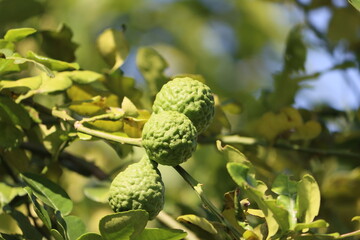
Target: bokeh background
point(238, 47)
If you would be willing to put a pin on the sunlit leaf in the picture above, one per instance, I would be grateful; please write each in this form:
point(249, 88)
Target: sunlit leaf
point(241, 173)
point(8, 65)
point(58, 83)
point(49, 192)
point(258, 196)
point(308, 199)
point(356, 218)
point(124, 225)
point(232, 154)
point(161, 234)
point(83, 136)
point(250, 235)
point(318, 236)
point(129, 108)
point(284, 185)
point(355, 3)
point(279, 213)
point(14, 35)
point(8, 193)
point(315, 224)
point(84, 77)
point(198, 221)
point(22, 85)
point(113, 47)
point(55, 65)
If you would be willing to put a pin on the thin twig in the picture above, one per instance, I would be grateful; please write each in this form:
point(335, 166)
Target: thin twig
point(172, 223)
point(350, 234)
point(207, 203)
point(234, 139)
point(123, 140)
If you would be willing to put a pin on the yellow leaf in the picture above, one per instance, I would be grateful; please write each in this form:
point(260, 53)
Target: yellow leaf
point(198, 221)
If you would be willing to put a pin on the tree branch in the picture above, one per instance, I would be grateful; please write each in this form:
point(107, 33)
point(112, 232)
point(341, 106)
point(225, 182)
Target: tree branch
point(69, 161)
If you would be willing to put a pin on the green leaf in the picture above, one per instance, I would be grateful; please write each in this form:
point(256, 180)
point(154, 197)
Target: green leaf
point(14, 35)
point(17, 59)
point(355, 3)
point(24, 224)
point(113, 47)
point(6, 47)
point(83, 136)
point(90, 236)
point(39, 209)
point(241, 173)
point(60, 82)
point(232, 154)
point(316, 224)
point(308, 199)
point(61, 225)
point(84, 77)
point(11, 112)
point(288, 203)
point(124, 225)
point(22, 85)
point(296, 51)
point(258, 196)
point(97, 191)
point(356, 218)
point(4, 236)
point(56, 234)
point(198, 221)
point(55, 65)
point(8, 65)
point(49, 192)
point(8, 193)
point(152, 65)
point(161, 234)
point(328, 236)
point(284, 186)
point(75, 227)
point(10, 135)
point(129, 108)
point(280, 214)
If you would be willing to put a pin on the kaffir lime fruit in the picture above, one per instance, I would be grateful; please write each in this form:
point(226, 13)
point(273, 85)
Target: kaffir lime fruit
point(187, 96)
point(139, 186)
point(169, 138)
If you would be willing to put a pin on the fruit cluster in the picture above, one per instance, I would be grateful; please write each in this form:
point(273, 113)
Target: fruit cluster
point(182, 109)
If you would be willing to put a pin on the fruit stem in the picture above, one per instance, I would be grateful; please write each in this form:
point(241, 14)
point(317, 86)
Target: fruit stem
point(123, 140)
point(207, 203)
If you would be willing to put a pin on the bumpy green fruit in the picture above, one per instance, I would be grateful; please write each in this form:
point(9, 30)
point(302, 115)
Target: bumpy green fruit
point(169, 138)
point(187, 96)
point(139, 186)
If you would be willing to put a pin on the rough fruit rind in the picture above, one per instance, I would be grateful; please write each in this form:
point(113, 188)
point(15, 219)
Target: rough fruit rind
point(187, 96)
point(169, 138)
point(139, 186)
